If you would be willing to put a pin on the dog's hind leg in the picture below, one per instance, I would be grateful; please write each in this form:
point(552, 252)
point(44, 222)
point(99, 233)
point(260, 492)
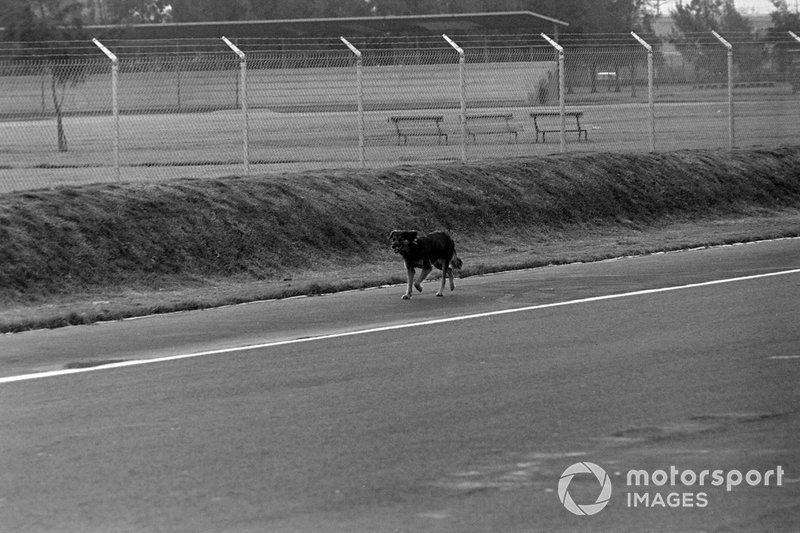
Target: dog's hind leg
point(455, 264)
point(445, 270)
point(444, 280)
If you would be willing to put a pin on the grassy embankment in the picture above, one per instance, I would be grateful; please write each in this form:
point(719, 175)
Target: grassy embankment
point(81, 254)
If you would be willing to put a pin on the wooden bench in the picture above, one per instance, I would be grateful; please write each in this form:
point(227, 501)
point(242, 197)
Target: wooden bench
point(499, 123)
point(577, 115)
point(418, 125)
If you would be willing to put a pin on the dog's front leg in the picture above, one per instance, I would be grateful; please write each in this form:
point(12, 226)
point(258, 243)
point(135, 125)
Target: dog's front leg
point(422, 275)
point(411, 272)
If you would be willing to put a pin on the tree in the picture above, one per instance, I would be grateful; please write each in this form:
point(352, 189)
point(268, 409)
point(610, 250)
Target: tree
point(695, 20)
point(205, 10)
point(618, 17)
point(785, 50)
point(41, 25)
point(606, 43)
point(151, 11)
point(784, 20)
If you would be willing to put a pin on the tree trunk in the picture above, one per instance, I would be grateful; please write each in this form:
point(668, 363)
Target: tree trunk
point(593, 80)
point(62, 137)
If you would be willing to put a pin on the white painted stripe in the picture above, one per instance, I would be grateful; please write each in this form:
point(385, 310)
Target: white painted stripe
point(137, 362)
point(783, 357)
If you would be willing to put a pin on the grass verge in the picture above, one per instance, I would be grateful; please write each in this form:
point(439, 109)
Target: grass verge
point(102, 252)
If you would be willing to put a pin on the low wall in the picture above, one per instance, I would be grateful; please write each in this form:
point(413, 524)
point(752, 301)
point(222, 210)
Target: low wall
point(299, 89)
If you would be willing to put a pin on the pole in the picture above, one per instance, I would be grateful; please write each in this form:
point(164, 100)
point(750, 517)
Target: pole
point(245, 119)
point(650, 96)
point(114, 102)
point(360, 81)
point(463, 85)
point(561, 89)
point(178, 75)
point(731, 131)
point(791, 33)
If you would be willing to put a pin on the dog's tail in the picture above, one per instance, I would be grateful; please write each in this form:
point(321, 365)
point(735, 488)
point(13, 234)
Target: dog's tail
point(456, 263)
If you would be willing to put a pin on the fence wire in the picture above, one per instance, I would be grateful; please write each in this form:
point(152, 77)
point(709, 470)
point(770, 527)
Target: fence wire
point(316, 104)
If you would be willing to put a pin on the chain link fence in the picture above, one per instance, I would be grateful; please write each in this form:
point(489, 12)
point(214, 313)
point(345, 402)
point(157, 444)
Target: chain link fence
point(148, 110)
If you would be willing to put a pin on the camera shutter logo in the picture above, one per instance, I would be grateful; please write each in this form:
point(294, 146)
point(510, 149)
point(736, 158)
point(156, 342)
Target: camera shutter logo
point(602, 499)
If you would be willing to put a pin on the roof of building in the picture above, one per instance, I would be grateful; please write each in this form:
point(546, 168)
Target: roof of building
point(498, 22)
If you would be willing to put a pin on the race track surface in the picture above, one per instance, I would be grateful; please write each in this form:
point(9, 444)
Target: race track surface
point(360, 412)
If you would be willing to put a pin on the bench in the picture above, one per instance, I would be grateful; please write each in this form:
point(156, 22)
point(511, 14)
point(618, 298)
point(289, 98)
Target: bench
point(499, 123)
point(418, 125)
point(577, 115)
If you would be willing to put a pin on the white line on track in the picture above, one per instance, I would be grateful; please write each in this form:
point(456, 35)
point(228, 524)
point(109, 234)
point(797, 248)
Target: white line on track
point(137, 362)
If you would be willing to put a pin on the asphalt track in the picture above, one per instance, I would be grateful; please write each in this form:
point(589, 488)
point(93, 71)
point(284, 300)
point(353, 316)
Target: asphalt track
point(359, 412)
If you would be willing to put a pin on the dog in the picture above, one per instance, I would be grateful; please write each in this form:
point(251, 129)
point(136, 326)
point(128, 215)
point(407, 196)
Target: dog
point(435, 249)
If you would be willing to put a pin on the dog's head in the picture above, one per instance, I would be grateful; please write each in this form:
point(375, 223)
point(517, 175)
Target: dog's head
point(402, 240)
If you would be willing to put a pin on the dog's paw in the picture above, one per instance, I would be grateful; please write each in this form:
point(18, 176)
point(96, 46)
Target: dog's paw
point(418, 286)
point(406, 297)
point(439, 293)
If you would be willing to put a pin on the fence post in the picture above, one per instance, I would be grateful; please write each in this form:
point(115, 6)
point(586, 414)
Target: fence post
point(178, 75)
point(731, 136)
point(114, 102)
point(650, 100)
point(245, 124)
point(360, 81)
point(463, 85)
point(561, 88)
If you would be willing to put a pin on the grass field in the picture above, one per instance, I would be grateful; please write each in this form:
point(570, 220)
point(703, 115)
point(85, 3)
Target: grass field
point(301, 123)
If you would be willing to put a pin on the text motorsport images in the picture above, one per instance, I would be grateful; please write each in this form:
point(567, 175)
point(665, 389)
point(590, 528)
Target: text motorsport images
point(645, 488)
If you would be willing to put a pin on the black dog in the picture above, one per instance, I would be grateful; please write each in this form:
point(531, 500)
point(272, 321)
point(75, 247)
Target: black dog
point(436, 249)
